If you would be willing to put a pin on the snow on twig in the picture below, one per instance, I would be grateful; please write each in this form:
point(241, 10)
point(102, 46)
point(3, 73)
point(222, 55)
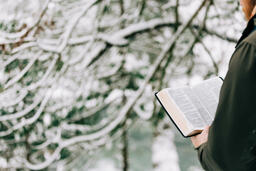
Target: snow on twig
point(109, 74)
point(24, 91)
point(74, 127)
point(71, 25)
point(23, 72)
point(92, 56)
point(54, 139)
point(139, 92)
point(142, 114)
point(135, 28)
point(47, 73)
point(31, 120)
point(4, 102)
point(119, 38)
point(79, 40)
point(94, 110)
point(125, 110)
point(46, 163)
point(19, 35)
point(82, 54)
point(23, 46)
point(21, 113)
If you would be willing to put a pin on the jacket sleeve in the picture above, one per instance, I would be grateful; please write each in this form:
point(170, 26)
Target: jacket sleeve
point(206, 159)
point(236, 113)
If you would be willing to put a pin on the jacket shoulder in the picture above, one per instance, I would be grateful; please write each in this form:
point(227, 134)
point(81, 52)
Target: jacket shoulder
point(251, 39)
point(244, 54)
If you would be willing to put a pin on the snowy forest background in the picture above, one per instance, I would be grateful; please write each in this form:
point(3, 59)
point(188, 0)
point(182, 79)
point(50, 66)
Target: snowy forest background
point(77, 79)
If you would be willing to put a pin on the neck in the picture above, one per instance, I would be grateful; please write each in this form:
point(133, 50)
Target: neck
point(253, 12)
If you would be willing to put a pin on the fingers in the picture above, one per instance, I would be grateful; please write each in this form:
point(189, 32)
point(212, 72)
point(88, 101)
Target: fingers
point(206, 129)
point(199, 139)
point(194, 141)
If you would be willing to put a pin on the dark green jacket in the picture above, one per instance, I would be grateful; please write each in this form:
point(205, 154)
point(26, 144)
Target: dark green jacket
point(232, 135)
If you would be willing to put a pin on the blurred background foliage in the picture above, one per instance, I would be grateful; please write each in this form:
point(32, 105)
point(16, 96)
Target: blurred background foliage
point(77, 79)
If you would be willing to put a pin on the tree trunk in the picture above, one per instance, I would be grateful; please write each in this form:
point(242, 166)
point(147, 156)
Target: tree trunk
point(125, 148)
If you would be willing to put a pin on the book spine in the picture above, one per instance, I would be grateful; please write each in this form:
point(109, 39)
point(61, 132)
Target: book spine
point(170, 116)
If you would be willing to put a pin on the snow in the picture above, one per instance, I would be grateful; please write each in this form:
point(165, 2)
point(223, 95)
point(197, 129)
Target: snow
point(3, 162)
point(47, 119)
point(106, 165)
point(100, 49)
point(164, 152)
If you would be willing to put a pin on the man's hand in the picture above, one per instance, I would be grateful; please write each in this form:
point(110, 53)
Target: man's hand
point(201, 138)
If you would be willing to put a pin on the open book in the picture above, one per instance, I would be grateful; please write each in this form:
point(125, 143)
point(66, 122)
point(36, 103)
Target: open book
point(191, 108)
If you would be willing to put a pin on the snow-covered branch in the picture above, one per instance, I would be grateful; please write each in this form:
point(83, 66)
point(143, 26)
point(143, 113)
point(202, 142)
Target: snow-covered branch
point(21, 113)
point(7, 38)
point(78, 69)
point(70, 26)
point(31, 120)
point(125, 110)
point(119, 38)
point(24, 71)
point(23, 47)
point(92, 56)
point(94, 110)
point(5, 102)
point(47, 73)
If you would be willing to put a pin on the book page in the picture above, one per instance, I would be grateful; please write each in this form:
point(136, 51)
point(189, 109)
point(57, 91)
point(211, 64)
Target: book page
point(208, 94)
point(189, 105)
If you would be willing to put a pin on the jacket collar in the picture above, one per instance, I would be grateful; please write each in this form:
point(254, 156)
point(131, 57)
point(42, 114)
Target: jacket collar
point(249, 28)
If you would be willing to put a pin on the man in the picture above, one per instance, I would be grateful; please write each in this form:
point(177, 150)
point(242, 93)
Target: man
point(229, 144)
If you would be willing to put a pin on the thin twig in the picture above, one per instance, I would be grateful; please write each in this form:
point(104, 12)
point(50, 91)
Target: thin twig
point(126, 108)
